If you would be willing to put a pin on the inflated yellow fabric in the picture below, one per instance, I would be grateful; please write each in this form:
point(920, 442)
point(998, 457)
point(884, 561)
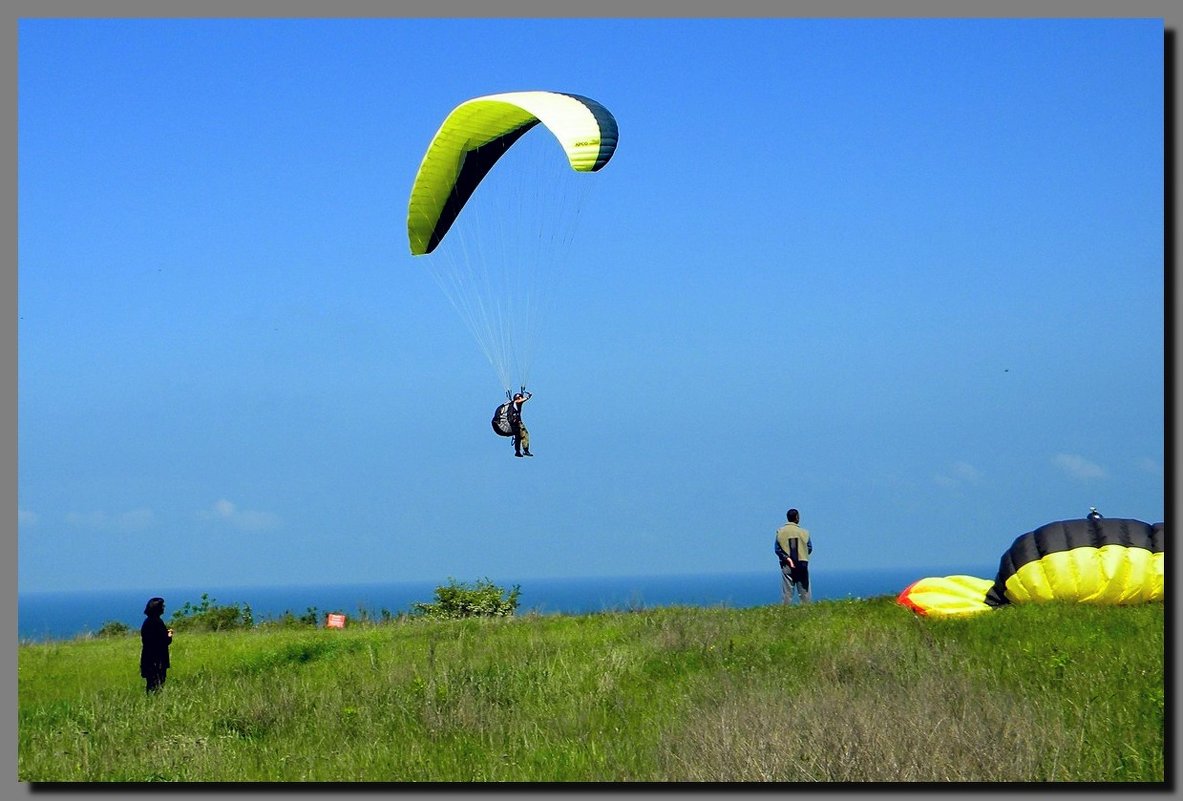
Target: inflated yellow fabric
point(1111, 574)
point(947, 595)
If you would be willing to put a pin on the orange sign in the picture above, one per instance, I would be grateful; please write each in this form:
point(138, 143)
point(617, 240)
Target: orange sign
point(335, 621)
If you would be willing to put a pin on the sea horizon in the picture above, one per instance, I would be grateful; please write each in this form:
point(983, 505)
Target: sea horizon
point(45, 615)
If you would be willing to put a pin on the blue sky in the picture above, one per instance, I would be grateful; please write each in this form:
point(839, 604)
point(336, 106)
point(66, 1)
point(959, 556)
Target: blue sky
point(906, 276)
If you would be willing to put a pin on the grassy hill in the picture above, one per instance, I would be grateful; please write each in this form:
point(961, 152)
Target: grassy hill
point(840, 691)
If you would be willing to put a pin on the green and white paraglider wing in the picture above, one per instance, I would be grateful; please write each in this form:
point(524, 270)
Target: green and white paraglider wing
point(503, 235)
point(478, 132)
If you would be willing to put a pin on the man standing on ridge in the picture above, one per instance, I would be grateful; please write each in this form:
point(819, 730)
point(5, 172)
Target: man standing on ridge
point(792, 546)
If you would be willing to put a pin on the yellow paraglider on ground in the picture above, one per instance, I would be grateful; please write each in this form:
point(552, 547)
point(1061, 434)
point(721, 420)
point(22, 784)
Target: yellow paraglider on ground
point(1094, 560)
point(947, 595)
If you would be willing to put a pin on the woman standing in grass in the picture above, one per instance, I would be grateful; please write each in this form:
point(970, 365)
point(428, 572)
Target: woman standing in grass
point(156, 637)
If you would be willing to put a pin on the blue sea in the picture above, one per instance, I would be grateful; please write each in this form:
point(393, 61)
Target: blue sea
point(64, 615)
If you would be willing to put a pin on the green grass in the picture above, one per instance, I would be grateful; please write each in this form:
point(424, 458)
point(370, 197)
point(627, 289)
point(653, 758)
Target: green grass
point(840, 691)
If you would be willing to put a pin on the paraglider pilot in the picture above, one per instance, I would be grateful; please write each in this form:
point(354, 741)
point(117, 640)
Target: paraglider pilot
point(521, 437)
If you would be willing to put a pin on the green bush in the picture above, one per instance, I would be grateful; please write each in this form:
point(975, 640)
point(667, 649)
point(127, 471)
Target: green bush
point(483, 599)
point(113, 628)
point(209, 616)
point(290, 620)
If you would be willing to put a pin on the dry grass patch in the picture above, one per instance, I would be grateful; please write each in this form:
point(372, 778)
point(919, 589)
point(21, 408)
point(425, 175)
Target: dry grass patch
point(874, 711)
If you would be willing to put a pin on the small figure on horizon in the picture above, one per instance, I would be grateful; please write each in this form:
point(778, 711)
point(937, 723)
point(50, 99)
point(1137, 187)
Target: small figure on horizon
point(793, 546)
point(155, 638)
point(1094, 514)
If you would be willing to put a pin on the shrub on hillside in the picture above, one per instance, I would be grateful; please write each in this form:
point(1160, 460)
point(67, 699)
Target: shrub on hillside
point(208, 615)
point(290, 620)
point(113, 628)
point(482, 599)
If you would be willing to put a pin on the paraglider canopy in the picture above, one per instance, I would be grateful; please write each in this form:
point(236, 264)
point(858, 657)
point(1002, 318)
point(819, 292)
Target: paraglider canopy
point(499, 238)
point(1098, 560)
point(1094, 560)
point(478, 132)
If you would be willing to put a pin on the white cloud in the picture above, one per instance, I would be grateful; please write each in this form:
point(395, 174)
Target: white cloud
point(958, 474)
point(88, 520)
point(1151, 466)
point(121, 522)
point(966, 472)
point(944, 481)
point(242, 519)
point(137, 519)
point(26, 518)
point(1077, 466)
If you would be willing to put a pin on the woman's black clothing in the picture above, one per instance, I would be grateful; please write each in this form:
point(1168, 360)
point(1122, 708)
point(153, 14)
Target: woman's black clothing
point(154, 652)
